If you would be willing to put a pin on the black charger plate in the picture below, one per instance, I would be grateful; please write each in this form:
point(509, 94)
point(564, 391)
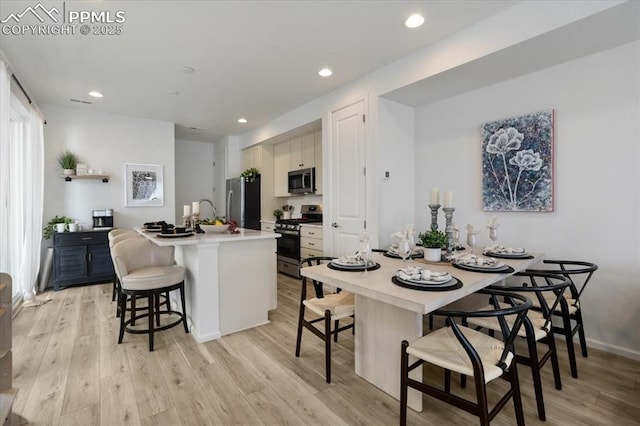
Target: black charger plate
point(397, 256)
point(504, 270)
point(509, 255)
point(452, 284)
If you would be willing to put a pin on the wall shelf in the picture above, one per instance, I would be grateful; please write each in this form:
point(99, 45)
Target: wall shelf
point(69, 178)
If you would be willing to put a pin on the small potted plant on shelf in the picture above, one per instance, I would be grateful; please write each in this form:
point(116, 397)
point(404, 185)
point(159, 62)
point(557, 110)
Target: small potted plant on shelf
point(433, 242)
point(250, 174)
point(68, 161)
point(277, 213)
point(51, 225)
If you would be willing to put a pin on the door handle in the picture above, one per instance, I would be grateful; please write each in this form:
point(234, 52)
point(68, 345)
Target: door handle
point(335, 225)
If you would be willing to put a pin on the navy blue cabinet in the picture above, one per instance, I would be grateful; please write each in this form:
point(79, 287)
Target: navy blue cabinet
point(81, 258)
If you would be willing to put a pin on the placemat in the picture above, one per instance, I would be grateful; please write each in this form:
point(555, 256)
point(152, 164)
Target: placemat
point(455, 284)
point(358, 269)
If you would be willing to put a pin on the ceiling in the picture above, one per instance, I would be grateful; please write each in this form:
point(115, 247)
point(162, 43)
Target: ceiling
point(252, 59)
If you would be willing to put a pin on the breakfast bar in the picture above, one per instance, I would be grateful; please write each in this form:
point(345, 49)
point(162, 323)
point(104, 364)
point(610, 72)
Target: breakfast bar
point(230, 281)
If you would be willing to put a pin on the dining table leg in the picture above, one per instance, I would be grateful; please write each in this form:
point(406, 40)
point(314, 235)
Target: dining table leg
point(380, 329)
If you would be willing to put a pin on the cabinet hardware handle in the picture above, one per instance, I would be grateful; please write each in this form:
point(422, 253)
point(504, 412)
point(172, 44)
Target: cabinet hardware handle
point(335, 224)
point(87, 238)
point(312, 233)
point(311, 244)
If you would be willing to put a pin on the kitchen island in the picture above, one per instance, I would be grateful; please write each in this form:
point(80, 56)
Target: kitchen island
point(231, 281)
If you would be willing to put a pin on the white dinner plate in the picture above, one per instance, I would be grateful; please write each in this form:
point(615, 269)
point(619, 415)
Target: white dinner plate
point(350, 265)
point(498, 265)
point(427, 282)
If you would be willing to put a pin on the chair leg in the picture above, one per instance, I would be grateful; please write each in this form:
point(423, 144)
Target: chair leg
point(167, 294)
point(184, 308)
point(133, 309)
point(299, 337)
point(119, 296)
point(447, 381)
point(151, 303)
point(113, 291)
point(570, 349)
point(555, 365)
point(535, 373)
point(404, 365)
point(517, 399)
point(337, 325)
point(327, 344)
point(156, 298)
point(583, 339)
point(122, 299)
point(483, 405)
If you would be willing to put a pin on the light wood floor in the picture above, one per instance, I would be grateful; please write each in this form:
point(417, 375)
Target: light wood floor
point(70, 370)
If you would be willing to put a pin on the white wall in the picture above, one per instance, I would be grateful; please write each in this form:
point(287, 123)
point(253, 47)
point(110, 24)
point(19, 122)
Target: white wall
point(105, 141)
point(597, 128)
point(194, 175)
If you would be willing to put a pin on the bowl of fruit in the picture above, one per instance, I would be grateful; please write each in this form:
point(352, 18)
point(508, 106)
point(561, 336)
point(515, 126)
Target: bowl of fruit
point(214, 226)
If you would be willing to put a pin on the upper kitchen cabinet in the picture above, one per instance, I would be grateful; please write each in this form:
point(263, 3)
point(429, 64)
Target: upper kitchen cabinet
point(251, 157)
point(302, 152)
point(281, 161)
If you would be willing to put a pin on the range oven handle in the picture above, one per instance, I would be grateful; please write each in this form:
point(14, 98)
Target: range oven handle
point(286, 231)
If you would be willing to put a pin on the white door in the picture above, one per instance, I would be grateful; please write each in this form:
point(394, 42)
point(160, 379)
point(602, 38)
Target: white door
point(347, 178)
point(219, 181)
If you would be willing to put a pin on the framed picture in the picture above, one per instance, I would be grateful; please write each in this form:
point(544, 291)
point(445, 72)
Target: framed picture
point(517, 164)
point(144, 186)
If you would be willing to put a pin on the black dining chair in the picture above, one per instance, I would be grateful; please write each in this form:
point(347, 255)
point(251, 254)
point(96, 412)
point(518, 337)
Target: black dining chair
point(547, 290)
point(579, 274)
point(329, 308)
point(469, 352)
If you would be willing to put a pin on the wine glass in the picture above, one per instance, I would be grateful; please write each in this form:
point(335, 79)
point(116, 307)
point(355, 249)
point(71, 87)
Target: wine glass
point(411, 237)
point(366, 254)
point(472, 240)
point(404, 249)
point(493, 233)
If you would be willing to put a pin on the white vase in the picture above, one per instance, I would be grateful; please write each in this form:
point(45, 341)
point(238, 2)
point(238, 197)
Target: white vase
point(286, 215)
point(432, 254)
point(68, 172)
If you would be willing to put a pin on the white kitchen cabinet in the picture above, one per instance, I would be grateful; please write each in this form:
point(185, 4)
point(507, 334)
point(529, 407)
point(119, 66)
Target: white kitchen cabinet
point(303, 152)
point(317, 136)
point(251, 157)
point(267, 226)
point(281, 155)
point(311, 243)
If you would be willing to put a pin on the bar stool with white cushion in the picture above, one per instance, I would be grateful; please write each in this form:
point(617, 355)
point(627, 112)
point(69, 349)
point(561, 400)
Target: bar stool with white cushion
point(115, 236)
point(148, 270)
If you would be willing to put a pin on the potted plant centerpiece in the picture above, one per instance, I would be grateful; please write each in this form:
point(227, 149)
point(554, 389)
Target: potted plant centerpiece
point(68, 161)
point(433, 242)
point(277, 213)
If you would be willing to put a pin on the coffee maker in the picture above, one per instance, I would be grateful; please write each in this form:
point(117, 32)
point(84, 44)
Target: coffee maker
point(103, 219)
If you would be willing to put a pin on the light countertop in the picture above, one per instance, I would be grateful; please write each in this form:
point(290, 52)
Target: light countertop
point(208, 238)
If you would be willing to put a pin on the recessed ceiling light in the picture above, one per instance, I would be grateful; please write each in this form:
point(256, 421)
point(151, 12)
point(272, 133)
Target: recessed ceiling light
point(414, 21)
point(188, 70)
point(325, 72)
point(242, 120)
point(95, 94)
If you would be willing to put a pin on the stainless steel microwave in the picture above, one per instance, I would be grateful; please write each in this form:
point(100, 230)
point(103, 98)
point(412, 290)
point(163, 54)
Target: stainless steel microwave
point(302, 181)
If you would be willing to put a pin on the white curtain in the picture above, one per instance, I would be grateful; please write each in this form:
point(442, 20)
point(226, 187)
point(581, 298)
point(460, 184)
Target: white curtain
point(21, 188)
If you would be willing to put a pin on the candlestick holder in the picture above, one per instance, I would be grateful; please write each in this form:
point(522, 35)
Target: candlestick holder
point(448, 214)
point(434, 216)
point(195, 218)
point(186, 221)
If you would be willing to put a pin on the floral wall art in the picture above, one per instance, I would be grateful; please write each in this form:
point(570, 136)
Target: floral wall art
point(517, 163)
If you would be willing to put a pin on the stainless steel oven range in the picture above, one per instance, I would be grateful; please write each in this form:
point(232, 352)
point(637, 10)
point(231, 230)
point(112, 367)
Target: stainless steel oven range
point(288, 245)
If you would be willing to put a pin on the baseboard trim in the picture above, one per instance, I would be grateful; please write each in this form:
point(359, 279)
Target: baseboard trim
point(614, 349)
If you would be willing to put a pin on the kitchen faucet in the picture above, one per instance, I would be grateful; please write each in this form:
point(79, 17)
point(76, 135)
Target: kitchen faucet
point(213, 208)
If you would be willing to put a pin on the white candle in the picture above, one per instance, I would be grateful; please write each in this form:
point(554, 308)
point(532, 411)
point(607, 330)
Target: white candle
point(186, 210)
point(195, 207)
point(435, 196)
point(448, 199)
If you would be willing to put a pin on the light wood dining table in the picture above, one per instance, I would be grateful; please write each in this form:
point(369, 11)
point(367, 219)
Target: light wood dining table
point(386, 313)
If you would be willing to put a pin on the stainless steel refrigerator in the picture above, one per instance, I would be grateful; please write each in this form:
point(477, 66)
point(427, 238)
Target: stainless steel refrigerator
point(243, 202)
